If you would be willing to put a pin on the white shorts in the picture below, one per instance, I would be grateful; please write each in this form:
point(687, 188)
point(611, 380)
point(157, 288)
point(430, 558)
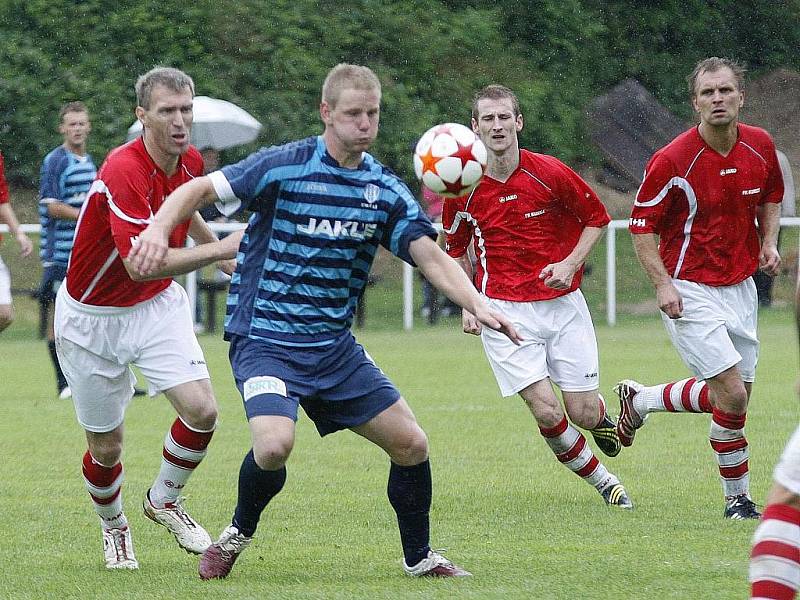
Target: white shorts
point(787, 471)
point(718, 328)
point(5, 284)
point(558, 342)
point(96, 345)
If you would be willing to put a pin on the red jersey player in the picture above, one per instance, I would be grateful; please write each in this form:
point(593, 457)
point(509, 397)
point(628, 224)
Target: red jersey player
point(532, 221)
point(8, 217)
point(701, 196)
point(108, 317)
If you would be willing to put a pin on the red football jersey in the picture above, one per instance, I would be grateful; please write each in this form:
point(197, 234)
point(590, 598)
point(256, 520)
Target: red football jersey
point(128, 191)
point(702, 205)
point(520, 226)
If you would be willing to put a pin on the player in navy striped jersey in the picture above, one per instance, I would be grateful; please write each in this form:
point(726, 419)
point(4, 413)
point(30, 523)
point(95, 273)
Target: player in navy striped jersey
point(321, 207)
point(66, 175)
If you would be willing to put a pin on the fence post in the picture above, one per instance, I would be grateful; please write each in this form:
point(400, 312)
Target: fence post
point(611, 274)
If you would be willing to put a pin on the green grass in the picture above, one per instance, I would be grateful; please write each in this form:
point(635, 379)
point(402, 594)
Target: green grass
point(503, 506)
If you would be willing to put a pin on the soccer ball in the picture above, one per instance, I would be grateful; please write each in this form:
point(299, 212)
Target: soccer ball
point(450, 160)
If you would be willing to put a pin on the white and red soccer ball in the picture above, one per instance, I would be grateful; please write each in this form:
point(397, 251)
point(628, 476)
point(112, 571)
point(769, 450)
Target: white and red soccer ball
point(450, 160)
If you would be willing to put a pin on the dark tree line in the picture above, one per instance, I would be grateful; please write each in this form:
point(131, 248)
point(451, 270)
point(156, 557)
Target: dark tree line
point(271, 56)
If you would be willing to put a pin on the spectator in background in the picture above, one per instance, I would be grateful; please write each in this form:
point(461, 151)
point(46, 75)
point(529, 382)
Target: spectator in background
point(764, 281)
point(210, 214)
point(66, 175)
point(8, 217)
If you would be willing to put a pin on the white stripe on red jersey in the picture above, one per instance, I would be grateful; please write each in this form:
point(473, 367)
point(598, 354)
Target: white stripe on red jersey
point(128, 190)
point(703, 205)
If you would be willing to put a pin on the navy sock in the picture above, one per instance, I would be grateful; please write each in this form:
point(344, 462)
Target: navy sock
point(256, 488)
point(61, 381)
point(409, 492)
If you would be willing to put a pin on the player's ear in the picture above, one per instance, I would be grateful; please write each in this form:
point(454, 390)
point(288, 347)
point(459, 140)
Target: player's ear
point(520, 123)
point(475, 127)
point(325, 112)
point(139, 112)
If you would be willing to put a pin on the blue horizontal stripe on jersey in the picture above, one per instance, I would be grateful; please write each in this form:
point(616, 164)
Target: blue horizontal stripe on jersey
point(65, 178)
point(311, 276)
point(271, 287)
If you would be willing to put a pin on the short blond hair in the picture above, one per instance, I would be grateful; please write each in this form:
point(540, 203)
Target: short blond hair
point(347, 76)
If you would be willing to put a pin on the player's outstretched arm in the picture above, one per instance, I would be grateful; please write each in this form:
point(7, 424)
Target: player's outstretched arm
point(178, 261)
point(447, 276)
point(668, 298)
point(149, 252)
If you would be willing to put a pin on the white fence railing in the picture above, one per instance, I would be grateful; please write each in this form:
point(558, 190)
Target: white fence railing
point(408, 271)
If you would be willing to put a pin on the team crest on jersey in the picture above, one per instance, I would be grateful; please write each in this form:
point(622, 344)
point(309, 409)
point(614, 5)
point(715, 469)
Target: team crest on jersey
point(371, 193)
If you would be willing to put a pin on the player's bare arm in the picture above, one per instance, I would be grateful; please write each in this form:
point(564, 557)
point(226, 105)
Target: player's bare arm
point(559, 275)
point(178, 261)
point(667, 297)
point(769, 259)
point(8, 217)
point(60, 210)
point(149, 252)
point(199, 230)
point(444, 273)
point(468, 321)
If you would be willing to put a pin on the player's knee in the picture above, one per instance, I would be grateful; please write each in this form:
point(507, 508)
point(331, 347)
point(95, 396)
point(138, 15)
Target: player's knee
point(584, 416)
point(203, 416)
point(271, 455)
point(410, 448)
point(106, 451)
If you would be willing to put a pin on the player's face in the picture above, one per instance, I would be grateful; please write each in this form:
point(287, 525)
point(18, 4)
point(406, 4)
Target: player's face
point(496, 125)
point(168, 122)
point(717, 97)
point(75, 127)
point(352, 125)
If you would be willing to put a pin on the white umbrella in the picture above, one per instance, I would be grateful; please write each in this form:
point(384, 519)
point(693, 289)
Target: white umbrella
point(217, 124)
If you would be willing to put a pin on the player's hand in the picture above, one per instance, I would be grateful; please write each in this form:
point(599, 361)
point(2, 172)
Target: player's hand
point(498, 322)
point(669, 300)
point(25, 244)
point(230, 243)
point(149, 250)
point(769, 260)
point(227, 266)
point(558, 276)
point(470, 323)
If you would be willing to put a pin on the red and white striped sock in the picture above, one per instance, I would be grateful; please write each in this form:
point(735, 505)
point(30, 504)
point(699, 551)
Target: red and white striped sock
point(571, 449)
point(730, 446)
point(184, 449)
point(686, 395)
point(104, 485)
point(775, 558)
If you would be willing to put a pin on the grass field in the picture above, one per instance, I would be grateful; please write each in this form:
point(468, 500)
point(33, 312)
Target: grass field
point(504, 508)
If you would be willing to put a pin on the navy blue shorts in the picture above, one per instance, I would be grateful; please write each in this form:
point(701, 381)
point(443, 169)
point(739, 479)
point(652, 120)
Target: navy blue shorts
point(52, 278)
point(338, 385)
